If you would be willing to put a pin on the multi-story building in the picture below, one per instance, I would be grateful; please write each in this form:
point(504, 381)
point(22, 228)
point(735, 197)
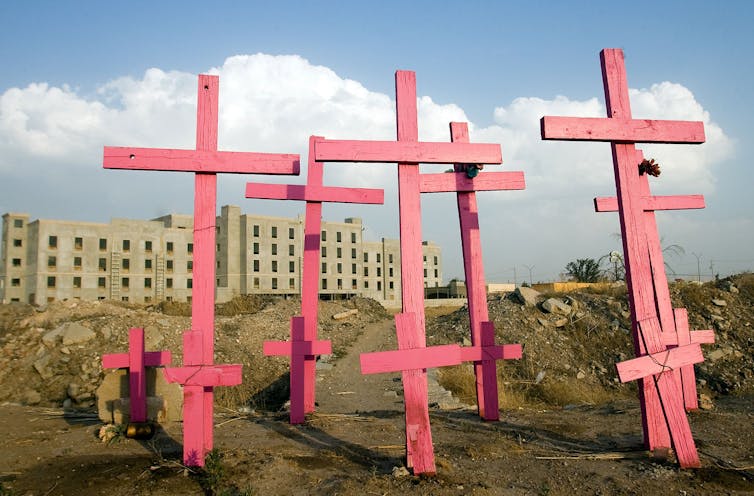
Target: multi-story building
point(149, 261)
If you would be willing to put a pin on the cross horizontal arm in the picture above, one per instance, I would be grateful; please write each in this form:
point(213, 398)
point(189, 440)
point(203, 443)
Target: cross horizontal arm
point(652, 203)
point(656, 363)
point(207, 161)
point(121, 360)
point(621, 130)
point(706, 336)
point(312, 193)
point(495, 352)
point(205, 375)
point(445, 182)
point(410, 359)
point(406, 152)
point(297, 348)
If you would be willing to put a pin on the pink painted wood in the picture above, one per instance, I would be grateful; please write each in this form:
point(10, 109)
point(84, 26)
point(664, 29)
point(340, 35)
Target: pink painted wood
point(465, 187)
point(304, 333)
point(671, 332)
point(205, 162)
point(136, 360)
point(408, 151)
point(622, 132)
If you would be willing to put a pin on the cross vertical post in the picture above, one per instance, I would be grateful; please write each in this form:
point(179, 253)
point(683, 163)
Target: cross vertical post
point(465, 187)
point(661, 396)
point(304, 347)
point(200, 375)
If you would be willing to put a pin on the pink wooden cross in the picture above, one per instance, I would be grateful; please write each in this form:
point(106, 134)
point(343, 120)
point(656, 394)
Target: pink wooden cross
point(136, 360)
point(674, 322)
point(303, 346)
point(205, 162)
point(408, 152)
point(661, 396)
point(468, 214)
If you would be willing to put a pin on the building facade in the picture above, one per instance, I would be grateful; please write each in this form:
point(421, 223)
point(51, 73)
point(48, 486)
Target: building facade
point(150, 261)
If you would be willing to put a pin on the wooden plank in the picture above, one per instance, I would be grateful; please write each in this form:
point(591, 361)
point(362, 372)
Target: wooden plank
point(657, 363)
point(406, 152)
point(206, 161)
point(653, 203)
point(688, 377)
point(495, 352)
point(408, 359)
point(302, 348)
point(137, 381)
point(313, 193)
point(706, 336)
point(205, 375)
point(621, 130)
point(121, 361)
point(489, 181)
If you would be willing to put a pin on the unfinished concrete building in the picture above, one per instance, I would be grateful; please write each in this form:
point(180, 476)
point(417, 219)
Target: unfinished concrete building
point(149, 261)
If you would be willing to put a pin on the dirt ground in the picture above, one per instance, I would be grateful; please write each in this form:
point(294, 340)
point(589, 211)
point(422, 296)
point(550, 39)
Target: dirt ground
point(353, 444)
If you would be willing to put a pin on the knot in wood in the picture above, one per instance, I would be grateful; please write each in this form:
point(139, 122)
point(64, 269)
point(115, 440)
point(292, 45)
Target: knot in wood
point(649, 167)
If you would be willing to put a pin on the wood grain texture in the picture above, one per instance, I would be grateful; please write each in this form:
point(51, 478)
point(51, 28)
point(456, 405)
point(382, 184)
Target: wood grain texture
point(312, 193)
point(445, 182)
point(652, 203)
point(621, 130)
point(408, 359)
point(407, 152)
point(706, 336)
point(205, 375)
point(658, 363)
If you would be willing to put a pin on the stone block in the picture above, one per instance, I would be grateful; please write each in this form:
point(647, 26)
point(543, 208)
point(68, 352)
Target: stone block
point(164, 400)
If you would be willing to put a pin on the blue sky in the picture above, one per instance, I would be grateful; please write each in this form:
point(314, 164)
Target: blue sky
point(491, 63)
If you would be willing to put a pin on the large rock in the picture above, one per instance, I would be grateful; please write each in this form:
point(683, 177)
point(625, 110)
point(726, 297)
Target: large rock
point(164, 400)
point(556, 305)
point(527, 296)
point(74, 333)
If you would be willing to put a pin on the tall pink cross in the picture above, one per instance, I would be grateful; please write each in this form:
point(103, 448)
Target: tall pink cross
point(468, 214)
point(674, 322)
point(136, 361)
point(199, 374)
point(303, 346)
point(408, 152)
point(661, 396)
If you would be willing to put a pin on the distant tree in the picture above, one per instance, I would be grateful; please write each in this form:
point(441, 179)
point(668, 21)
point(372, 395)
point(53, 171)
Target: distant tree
point(584, 270)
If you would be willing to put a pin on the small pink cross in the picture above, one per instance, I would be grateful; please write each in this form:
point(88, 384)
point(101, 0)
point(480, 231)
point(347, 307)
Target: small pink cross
point(661, 396)
point(304, 346)
point(136, 360)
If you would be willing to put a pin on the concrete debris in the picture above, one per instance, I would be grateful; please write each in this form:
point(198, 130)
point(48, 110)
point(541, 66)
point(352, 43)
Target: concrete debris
point(556, 305)
point(527, 296)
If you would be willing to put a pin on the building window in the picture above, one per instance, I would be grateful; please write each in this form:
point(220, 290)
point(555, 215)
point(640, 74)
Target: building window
point(147, 282)
point(366, 257)
point(148, 264)
point(18, 223)
point(366, 271)
point(291, 283)
point(340, 268)
point(390, 272)
point(218, 264)
point(353, 237)
point(391, 284)
point(101, 281)
point(102, 264)
point(379, 257)
point(78, 243)
point(339, 252)
point(169, 265)
point(190, 266)
point(274, 283)
point(324, 251)
point(77, 263)
point(324, 267)
point(126, 245)
point(353, 268)
point(338, 237)
point(323, 235)
point(354, 285)
point(379, 271)
point(124, 282)
point(169, 283)
point(126, 265)
point(353, 252)
point(102, 244)
point(425, 273)
point(274, 248)
point(340, 283)
point(189, 283)
point(291, 250)
point(52, 241)
point(148, 246)
point(291, 267)
point(425, 258)
point(52, 262)
point(256, 283)
point(324, 283)
point(17, 243)
point(256, 265)
point(435, 260)
point(379, 285)
point(217, 247)
point(274, 232)
point(190, 248)
point(291, 233)
point(256, 249)
point(274, 266)
point(366, 284)
point(77, 282)
point(15, 282)
point(390, 258)
point(124, 298)
point(169, 247)
point(436, 276)
point(256, 231)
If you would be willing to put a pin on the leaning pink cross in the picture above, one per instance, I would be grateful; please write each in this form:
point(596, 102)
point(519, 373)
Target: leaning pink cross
point(303, 346)
point(199, 374)
point(674, 322)
point(661, 396)
point(136, 361)
point(408, 152)
point(468, 214)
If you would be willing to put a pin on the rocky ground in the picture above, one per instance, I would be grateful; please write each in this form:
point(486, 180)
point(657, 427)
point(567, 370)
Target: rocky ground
point(567, 425)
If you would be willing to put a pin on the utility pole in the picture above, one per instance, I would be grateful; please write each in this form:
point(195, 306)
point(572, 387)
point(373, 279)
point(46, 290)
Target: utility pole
point(698, 266)
point(530, 267)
